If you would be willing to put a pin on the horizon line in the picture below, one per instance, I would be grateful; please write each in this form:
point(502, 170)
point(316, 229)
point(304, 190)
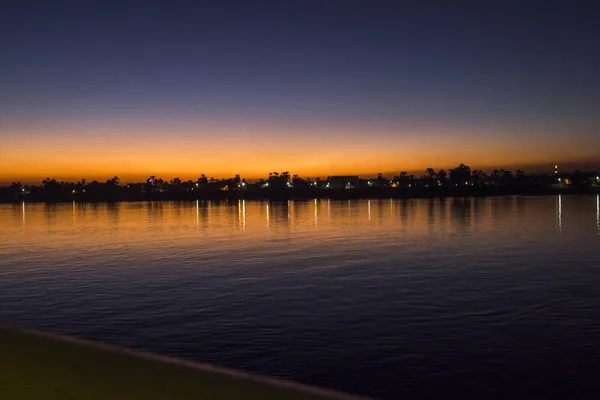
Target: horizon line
point(371, 175)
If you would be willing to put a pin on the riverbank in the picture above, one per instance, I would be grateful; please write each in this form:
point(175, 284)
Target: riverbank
point(125, 194)
point(42, 365)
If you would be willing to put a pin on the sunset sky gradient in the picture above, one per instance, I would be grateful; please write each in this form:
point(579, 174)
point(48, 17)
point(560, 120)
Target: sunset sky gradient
point(97, 88)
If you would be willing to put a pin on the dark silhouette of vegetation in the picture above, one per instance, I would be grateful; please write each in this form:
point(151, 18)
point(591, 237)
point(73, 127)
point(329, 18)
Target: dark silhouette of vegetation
point(458, 181)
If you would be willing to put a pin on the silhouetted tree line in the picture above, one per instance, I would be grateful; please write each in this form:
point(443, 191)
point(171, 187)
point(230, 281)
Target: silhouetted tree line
point(458, 181)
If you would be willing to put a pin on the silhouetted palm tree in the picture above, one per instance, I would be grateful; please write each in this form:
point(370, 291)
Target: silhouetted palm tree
point(441, 176)
point(461, 175)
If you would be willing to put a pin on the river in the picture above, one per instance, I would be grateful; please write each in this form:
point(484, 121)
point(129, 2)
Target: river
point(385, 298)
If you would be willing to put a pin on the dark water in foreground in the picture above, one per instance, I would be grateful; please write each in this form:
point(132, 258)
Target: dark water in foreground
point(496, 296)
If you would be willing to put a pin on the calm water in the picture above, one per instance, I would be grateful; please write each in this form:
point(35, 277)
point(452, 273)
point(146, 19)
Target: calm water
point(384, 298)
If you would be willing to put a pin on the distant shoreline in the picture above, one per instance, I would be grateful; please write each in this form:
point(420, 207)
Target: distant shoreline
point(331, 194)
point(457, 182)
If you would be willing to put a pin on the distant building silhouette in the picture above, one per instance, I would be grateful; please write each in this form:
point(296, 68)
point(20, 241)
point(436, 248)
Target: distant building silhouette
point(343, 182)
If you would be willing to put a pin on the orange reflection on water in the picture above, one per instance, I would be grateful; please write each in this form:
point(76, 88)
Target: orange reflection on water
point(203, 226)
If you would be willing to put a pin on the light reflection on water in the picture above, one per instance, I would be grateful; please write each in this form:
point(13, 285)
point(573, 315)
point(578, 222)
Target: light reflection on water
point(381, 297)
point(559, 212)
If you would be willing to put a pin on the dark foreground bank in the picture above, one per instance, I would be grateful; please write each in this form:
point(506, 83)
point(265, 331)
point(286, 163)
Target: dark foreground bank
point(36, 365)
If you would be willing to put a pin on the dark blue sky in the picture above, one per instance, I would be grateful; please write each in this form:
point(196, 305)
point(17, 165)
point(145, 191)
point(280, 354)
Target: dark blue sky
point(390, 71)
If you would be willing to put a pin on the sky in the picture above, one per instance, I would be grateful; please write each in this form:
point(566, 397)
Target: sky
point(93, 89)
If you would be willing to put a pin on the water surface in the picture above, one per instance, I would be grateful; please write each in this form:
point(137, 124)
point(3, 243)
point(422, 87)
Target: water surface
point(493, 296)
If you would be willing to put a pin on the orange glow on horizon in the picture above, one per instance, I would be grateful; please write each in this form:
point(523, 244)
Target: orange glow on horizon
point(30, 154)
